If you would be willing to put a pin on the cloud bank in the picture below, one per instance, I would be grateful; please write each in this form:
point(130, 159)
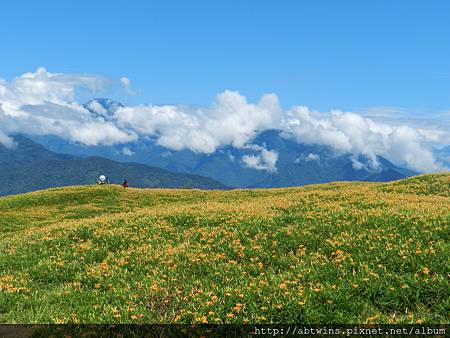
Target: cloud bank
point(46, 103)
point(230, 121)
point(354, 134)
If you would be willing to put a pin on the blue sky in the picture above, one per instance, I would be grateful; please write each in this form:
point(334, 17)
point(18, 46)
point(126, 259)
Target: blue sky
point(363, 77)
point(348, 55)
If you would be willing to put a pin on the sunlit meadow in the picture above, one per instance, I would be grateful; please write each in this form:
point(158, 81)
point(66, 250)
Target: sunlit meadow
point(331, 253)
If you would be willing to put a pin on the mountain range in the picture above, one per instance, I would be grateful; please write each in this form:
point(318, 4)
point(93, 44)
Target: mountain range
point(146, 163)
point(29, 166)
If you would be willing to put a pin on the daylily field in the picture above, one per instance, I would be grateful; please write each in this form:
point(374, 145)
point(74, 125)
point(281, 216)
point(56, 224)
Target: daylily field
point(331, 253)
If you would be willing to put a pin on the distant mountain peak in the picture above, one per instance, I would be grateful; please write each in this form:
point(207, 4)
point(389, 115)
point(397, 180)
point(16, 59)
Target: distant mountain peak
point(102, 107)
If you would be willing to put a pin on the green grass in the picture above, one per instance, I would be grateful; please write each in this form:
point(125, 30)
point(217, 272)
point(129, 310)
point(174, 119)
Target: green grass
point(334, 253)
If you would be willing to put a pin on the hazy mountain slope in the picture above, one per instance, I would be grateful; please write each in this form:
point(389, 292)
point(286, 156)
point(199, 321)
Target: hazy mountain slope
point(298, 164)
point(30, 166)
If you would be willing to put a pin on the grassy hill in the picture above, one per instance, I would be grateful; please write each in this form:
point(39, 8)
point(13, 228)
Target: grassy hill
point(332, 253)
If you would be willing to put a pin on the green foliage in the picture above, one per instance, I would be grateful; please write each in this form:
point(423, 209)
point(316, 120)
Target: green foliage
point(335, 253)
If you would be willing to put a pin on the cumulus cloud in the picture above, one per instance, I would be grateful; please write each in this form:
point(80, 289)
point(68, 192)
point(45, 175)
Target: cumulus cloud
point(46, 103)
point(354, 134)
point(231, 120)
point(265, 160)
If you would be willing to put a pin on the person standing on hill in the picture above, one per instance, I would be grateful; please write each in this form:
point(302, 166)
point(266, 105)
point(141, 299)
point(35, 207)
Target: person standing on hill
point(125, 183)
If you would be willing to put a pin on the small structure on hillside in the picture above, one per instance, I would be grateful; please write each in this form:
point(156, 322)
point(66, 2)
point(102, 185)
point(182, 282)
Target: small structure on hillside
point(102, 179)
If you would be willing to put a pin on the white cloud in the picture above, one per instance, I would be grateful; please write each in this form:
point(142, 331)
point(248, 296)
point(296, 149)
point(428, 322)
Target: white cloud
point(6, 141)
point(41, 86)
point(127, 151)
point(266, 160)
point(312, 157)
point(126, 83)
point(95, 133)
point(385, 112)
point(46, 103)
point(357, 164)
point(369, 166)
point(308, 158)
point(435, 135)
point(231, 120)
point(351, 133)
point(95, 106)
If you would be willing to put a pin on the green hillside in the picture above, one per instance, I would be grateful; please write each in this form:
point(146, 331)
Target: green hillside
point(332, 253)
point(29, 166)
